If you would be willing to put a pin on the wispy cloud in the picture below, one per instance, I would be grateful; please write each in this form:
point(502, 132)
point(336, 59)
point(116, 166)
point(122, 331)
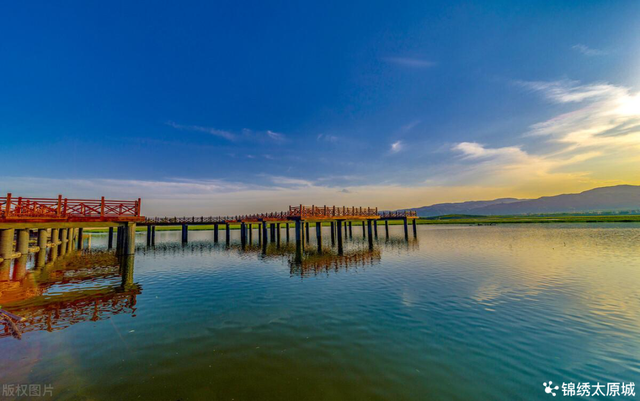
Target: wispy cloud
point(275, 136)
point(396, 147)
point(597, 140)
point(587, 51)
point(245, 135)
point(213, 131)
point(410, 62)
point(327, 138)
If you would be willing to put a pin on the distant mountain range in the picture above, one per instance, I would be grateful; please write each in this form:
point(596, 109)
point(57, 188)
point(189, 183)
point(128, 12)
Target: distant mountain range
point(605, 199)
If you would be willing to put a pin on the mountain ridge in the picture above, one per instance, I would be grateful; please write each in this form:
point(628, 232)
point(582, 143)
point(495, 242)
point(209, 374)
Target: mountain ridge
point(611, 198)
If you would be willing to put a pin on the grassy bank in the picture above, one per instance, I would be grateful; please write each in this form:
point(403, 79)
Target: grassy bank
point(452, 219)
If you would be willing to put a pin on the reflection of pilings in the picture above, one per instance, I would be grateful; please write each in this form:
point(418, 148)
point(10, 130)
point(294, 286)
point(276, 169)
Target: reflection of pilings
point(20, 268)
point(5, 270)
point(126, 270)
point(110, 240)
point(325, 262)
point(339, 232)
point(319, 236)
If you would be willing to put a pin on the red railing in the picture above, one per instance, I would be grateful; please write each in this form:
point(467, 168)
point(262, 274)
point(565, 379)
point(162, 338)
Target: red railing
point(332, 212)
point(63, 208)
point(398, 214)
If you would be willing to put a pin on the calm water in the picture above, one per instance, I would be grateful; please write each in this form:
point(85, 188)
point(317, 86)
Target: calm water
point(459, 313)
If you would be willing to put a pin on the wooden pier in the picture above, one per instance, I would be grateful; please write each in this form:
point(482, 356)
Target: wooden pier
point(57, 224)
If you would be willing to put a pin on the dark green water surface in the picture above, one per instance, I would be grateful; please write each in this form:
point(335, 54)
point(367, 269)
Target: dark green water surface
point(458, 313)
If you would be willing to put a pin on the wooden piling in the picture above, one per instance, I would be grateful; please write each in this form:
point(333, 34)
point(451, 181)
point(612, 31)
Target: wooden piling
point(319, 236)
point(215, 233)
point(185, 233)
point(109, 240)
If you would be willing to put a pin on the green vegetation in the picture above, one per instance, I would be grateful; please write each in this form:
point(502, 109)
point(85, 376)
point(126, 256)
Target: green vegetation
point(451, 219)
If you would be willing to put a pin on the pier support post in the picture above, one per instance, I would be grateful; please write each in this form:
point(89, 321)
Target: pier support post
point(319, 235)
point(350, 230)
point(6, 243)
point(215, 233)
point(287, 228)
point(264, 232)
point(333, 233)
point(278, 233)
point(386, 228)
point(272, 232)
point(406, 229)
point(149, 234)
point(298, 229)
point(185, 233)
point(70, 239)
point(110, 239)
point(415, 229)
point(250, 233)
point(153, 235)
point(364, 235)
point(370, 224)
point(80, 239)
point(55, 237)
point(20, 267)
point(375, 228)
point(307, 230)
point(129, 239)
point(243, 234)
point(22, 241)
point(228, 234)
point(339, 232)
point(41, 258)
point(64, 235)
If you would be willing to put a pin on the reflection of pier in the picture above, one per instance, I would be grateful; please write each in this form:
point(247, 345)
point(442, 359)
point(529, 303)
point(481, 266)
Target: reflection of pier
point(315, 263)
point(101, 286)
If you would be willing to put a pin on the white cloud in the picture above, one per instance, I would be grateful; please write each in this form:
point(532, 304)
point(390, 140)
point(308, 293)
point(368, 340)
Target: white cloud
point(276, 136)
point(587, 51)
point(396, 147)
point(410, 62)
point(216, 132)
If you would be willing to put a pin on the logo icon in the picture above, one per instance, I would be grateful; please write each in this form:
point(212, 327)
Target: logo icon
point(549, 389)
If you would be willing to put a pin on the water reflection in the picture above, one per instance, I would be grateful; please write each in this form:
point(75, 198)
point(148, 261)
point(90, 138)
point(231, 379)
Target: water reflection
point(81, 286)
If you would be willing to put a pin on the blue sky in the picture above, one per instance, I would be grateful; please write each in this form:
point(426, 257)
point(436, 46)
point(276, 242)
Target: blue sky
point(232, 107)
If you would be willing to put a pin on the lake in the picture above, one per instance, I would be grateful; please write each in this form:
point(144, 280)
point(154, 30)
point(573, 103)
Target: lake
point(458, 313)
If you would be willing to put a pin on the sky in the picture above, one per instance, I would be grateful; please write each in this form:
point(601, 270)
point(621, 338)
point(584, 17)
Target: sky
point(216, 107)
